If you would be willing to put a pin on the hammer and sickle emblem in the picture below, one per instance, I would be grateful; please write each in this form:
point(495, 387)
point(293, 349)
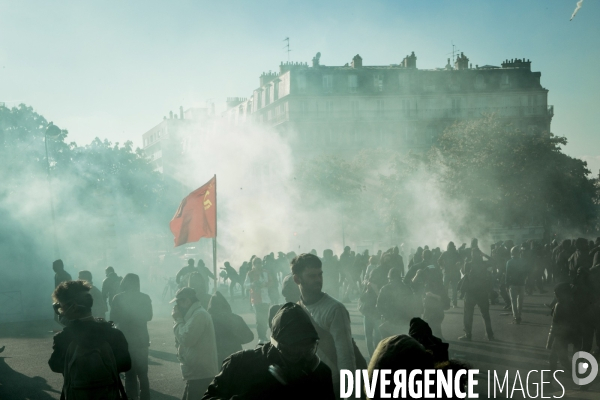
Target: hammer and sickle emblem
point(207, 202)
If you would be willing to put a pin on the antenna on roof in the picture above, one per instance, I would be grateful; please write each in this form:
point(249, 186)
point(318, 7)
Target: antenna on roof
point(454, 51)
point(287, 46)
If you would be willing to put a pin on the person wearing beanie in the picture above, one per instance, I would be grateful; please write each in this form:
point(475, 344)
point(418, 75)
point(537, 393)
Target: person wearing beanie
point(287, 367)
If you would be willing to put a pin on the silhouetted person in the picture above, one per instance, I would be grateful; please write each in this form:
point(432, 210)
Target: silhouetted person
point(581, 258)
point(564, 329)
point(90, 353)
point(285, 368)
point(396, 304)
point(367, 306)
point(434, 297)
point(331, 273)
point(258, 282)
point(449, 263)
point(60, 275)
point(396, 259)
point(234, 279)
point(99, 308)
point(476, 286)
point(231, 331)
point(206, 273)
point(516, 274)
point(131, 311)
point(111, 284)
point(183, 274)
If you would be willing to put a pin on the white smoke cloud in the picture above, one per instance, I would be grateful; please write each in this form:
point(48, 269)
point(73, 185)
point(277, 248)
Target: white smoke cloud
point(579, 3)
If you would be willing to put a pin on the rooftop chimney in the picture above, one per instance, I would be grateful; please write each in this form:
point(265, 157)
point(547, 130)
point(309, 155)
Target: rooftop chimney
point(316, 59)
point(180, 112)
point(357, 61)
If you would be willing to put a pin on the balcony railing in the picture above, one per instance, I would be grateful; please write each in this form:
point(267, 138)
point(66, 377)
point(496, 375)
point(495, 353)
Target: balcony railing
point(426, 113)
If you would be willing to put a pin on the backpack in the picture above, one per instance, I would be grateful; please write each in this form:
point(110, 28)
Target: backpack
point(91, 373)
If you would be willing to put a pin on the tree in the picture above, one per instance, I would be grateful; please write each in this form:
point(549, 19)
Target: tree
point(513, 177)
point(95, 188)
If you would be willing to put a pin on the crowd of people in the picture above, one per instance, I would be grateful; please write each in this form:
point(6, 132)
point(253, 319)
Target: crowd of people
point(403, 308)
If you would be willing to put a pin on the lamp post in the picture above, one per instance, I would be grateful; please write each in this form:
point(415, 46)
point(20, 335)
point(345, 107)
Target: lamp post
point(52, 131)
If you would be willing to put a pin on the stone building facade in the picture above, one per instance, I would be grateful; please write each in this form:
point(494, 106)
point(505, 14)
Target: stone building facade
point(165, 143)
point(345, 108)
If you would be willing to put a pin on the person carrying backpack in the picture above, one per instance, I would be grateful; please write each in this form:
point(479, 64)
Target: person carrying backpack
point(89, 352)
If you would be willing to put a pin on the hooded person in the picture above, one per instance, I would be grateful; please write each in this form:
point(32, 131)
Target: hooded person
point(285, 368)
point(131, 311)
point(110, 284)
point(400, 352)
point(195, 342)
point(422, 333)
point(231, 331)
point(449, 263)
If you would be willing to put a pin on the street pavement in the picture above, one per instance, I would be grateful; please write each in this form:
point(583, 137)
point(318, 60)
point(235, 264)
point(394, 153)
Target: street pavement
point(24, 372)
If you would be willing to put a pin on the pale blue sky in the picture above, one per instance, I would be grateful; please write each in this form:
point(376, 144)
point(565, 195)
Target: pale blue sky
point(114, 68)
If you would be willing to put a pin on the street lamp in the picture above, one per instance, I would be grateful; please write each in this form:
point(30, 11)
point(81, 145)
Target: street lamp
point(52, 131)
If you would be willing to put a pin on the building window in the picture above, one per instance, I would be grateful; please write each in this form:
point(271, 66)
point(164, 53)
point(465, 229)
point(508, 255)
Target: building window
point(301, 83)
point(329, 107)
point(352, 83)
point(304, 108)
point(455, 106)
point(504, 81)
point(406, 107)
point(327, 83)
point(479, 82)
point(380, 108)
point(276, 91)
point(354, 108)
point(267, 95)
point(378, 81)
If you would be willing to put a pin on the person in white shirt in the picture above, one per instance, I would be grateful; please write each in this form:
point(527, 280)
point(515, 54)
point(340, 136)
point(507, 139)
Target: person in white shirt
point(331, 318)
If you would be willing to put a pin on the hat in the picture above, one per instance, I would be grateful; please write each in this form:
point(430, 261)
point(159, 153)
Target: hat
point(291, 325)
point(185, 293)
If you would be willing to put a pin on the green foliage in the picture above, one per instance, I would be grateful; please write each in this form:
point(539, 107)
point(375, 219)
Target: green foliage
point(511, 176)
point(94, 186)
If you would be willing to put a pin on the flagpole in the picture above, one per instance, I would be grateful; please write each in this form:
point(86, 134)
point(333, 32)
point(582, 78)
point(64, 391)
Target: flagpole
point(215, 241)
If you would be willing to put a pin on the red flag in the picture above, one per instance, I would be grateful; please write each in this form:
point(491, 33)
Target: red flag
point(196, 216)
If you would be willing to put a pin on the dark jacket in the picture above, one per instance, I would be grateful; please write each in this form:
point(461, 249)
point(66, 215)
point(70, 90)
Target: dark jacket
point(131, 311)
point(231, 331)
point(448, 261)
point(396, 302)
point(88, 333)
point(579, 259)
point(516, 272)
point(110, 286)
point(60, 277)
point(245, 375)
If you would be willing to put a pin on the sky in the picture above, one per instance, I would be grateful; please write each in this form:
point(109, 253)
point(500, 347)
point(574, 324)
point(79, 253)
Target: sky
point(113, 69)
